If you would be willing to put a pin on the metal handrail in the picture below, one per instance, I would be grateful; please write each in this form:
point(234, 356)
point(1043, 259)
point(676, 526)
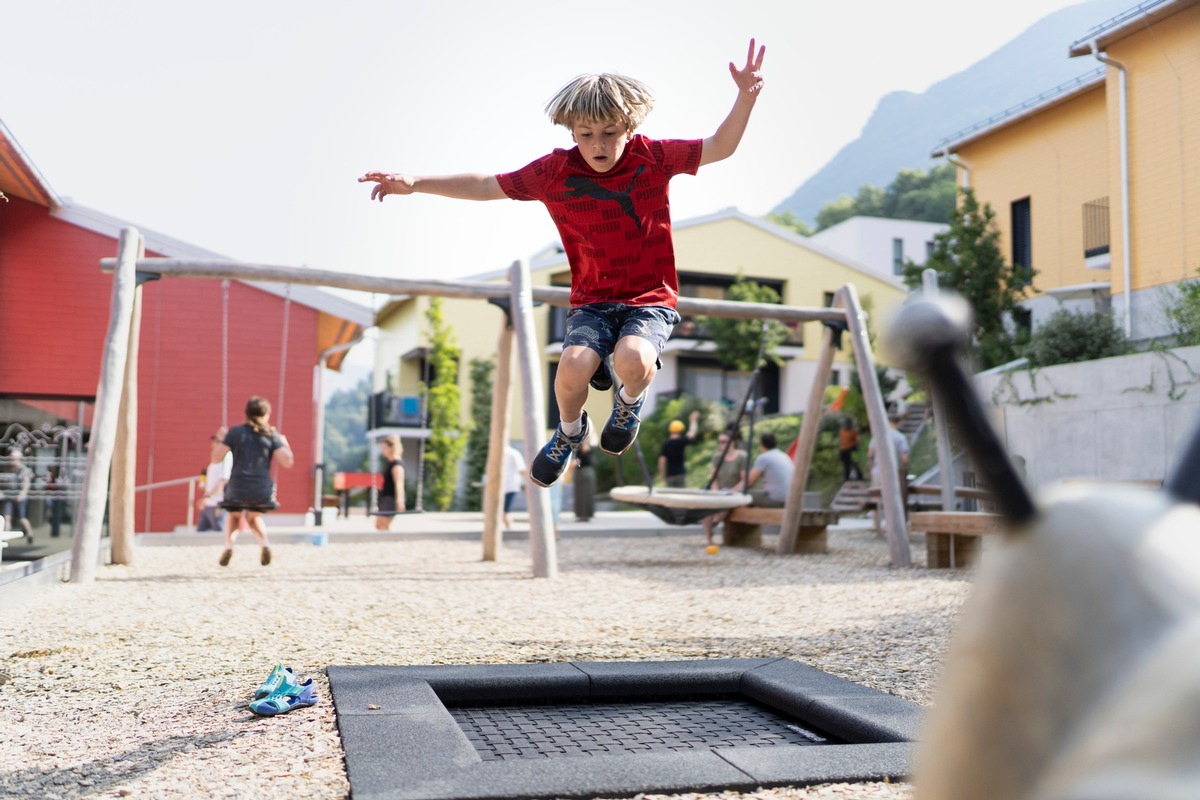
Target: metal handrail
point(191, 501)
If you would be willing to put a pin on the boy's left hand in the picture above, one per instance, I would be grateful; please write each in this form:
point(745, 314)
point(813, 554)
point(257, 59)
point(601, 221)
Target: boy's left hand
point(749, 78)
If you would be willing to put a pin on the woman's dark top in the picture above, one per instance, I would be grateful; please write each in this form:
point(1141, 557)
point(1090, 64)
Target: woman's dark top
point(389, 483)
point(250, 483)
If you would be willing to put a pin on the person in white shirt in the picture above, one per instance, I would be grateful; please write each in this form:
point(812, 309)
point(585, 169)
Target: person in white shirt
point(216, 474)
point(512, 479)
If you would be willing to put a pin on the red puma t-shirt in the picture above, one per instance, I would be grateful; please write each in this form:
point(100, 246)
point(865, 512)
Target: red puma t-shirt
point(615, 225)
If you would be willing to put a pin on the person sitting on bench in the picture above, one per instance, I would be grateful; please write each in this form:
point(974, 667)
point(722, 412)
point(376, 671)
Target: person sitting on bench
point(771, 473)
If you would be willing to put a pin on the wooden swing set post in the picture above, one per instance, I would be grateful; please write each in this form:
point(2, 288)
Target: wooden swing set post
point(85, 548)
point(493, 488)
point(124, 466)
point(789, 528)
point(542, 546)
point(889, 477)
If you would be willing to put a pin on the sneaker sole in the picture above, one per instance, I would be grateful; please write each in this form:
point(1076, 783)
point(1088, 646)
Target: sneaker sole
point(618, 452)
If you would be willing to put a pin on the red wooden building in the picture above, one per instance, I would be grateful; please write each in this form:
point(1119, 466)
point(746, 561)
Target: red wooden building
point(205, 347)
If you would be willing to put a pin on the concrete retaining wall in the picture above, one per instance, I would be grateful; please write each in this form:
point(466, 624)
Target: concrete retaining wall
point(1126, 418)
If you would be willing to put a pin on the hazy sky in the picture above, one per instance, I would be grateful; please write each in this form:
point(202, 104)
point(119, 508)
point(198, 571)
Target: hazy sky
point(241, 126)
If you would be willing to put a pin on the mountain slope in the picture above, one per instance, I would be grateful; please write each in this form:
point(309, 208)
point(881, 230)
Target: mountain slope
point(906, 126)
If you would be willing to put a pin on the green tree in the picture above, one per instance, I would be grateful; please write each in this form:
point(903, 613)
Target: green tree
point(737, 340)
point(478, 439)
point(836, 211)
point(967, 259)
point(443, 398)
point(789, 220)
point(927, 196)
point(1182, 310)
point(913, 194)
point(346, 431)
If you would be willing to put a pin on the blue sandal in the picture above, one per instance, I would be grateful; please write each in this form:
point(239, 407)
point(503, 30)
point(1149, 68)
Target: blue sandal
point(285, 699)
point(280, 676)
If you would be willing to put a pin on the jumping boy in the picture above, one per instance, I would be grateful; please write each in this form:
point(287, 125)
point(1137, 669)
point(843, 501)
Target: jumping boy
point(608, 199)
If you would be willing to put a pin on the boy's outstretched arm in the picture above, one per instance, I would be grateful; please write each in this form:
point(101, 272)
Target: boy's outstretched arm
point(749, 80)
point(468, 186)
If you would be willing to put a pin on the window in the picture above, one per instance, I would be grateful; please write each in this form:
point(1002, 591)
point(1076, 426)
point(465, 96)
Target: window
point(704, 286)
point(928, 249)
point(1023, 320)
point(897, 256)
point(704, 378)
point(1022, 242)
point(1096, 229)
point(829, 299)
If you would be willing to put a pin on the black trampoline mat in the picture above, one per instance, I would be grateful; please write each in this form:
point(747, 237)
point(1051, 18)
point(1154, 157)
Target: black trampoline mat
point(540, 731)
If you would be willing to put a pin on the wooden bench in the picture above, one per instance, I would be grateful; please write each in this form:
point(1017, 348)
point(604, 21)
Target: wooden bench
point(926, 497)
point(743, 527)
point(952, 537)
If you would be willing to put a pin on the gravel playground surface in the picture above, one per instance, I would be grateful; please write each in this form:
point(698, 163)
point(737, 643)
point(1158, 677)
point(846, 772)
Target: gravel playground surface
point(137, 685)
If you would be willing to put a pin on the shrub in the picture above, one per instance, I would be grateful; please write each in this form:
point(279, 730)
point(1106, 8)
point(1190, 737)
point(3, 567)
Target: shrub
point(1182, 310)
point(1068, 337)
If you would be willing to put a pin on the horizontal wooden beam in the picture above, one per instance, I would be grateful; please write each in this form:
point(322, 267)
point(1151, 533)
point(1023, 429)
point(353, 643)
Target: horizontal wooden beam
point(961, 523)
point(553, 295)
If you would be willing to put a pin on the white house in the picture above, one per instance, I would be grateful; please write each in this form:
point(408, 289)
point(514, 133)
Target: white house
point(879, 243)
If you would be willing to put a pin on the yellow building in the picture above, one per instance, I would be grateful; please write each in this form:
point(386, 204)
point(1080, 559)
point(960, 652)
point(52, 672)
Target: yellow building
point(710, 252)
point(1095, 183)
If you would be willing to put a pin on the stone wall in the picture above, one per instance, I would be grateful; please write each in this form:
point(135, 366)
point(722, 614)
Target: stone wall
point(1121, 419)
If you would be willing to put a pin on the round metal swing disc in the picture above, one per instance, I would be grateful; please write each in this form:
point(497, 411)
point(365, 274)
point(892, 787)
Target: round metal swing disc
point(680, 498)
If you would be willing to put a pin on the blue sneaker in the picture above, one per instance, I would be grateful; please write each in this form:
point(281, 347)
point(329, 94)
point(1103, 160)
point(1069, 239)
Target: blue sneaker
point(622, 427)
point(551, 461)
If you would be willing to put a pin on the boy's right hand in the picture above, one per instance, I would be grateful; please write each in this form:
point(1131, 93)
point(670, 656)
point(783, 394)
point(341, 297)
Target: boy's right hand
point(387, 183)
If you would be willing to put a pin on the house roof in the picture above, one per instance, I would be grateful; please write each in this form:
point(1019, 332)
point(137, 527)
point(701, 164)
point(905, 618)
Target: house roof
point(164, 245)
point(19, 177)
point(1128, 22)
point(1035, 105)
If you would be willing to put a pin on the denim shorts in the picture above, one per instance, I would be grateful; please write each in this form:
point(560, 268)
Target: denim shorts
point(599, 326)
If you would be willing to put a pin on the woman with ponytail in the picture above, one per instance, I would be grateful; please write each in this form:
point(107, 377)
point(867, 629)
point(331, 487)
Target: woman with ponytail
point(250, 493)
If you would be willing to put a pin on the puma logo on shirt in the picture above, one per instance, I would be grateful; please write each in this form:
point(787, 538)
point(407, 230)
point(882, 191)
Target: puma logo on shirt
point(583, 186)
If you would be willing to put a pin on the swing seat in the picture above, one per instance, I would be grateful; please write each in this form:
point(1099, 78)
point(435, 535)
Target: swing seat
point(246, 505)
point(680, 506)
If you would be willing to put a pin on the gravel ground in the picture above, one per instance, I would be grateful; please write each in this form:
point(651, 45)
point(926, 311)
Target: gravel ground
point(136, 685)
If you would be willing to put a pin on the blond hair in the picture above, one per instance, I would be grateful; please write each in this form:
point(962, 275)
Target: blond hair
point(604, 97)
point(393, 441)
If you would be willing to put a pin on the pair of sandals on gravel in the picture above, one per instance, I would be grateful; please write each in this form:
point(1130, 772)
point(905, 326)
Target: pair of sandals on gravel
point(281, 692)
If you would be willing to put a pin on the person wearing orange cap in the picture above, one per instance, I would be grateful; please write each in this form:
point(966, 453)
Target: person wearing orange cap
point(672, 468)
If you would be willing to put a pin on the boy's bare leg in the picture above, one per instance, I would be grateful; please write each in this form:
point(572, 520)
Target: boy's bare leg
point(635, 362)
point(575, 369)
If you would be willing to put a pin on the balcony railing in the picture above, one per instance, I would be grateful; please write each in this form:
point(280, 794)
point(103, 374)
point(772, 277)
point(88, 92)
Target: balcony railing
point(1095, 231)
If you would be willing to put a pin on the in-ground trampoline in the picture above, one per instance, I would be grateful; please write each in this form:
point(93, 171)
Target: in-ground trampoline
point(587, 729)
